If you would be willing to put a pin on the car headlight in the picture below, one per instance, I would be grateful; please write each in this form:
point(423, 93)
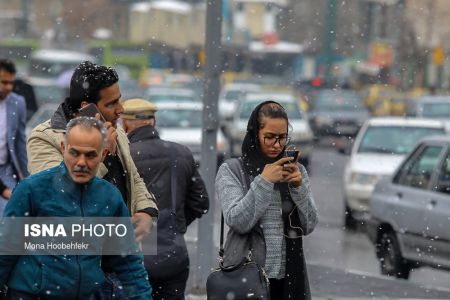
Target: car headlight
point(364, 179)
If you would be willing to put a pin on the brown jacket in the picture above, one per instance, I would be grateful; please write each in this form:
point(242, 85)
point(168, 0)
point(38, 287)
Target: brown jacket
point(43, 148)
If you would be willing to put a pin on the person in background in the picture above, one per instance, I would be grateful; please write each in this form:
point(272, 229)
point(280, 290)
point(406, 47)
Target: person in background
point(97, 85)
point(169, 170)
point(13, 154)
point(27, 91)
point(55, 192)
point(279, 201)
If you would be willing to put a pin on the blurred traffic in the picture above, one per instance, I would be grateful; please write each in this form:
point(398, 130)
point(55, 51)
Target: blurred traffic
point(364, 87)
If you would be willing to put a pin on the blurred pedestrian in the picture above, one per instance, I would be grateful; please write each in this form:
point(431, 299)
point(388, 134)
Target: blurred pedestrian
point(278, 203)
point(96, 84)
point(13, 154)
point(71, 276)
point(169, 170)
point(26, 90)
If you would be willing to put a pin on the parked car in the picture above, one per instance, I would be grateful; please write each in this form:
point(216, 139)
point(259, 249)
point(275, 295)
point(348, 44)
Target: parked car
point(434, 107)
point(49, 93)
point(44, 113)
point(48, 65)
point(379, 148)
point(410, 211)
point(301, 134)
point(337, 113)
point(181, 122)
point(230, 96)
point(158, 94)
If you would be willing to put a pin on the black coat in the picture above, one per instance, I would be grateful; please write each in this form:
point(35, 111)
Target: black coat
point(152, 159)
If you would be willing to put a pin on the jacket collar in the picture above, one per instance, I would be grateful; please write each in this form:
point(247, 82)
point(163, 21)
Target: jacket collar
point(143, 133)
point(59, 119)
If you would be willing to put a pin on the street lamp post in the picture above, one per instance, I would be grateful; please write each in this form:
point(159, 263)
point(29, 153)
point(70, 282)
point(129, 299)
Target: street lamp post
point(208, 165)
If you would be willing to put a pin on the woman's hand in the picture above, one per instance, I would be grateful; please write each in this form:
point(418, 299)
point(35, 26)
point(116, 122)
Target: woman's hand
point(276, 172)
point(294, 178)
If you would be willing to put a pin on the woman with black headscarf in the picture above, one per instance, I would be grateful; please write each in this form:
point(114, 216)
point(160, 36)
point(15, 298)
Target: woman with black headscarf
point(279, 200)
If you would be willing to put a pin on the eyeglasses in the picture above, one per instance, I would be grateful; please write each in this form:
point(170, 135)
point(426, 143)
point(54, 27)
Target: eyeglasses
point(272, 140)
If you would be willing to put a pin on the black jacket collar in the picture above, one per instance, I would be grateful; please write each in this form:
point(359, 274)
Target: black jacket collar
point(60, 118)
point(143, 133)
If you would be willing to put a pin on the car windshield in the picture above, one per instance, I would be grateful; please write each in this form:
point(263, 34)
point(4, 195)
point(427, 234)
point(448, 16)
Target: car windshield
point(233, 95)
point(41, 116)
point(49, 94)
point(436, 110)
point(338, 101)
point(175, 118)
point(292, 109)
point(394, 139)
point(169, 97)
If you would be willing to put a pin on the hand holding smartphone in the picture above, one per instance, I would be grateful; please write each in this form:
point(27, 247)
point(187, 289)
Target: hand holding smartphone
point(291, 151)
point(91, 110)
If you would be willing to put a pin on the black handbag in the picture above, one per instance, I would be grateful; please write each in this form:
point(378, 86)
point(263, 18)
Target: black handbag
point(246, 280)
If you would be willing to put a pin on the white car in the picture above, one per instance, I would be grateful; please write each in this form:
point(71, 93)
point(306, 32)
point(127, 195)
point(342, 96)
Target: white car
point(181, 122)
point(301, 134)
point(230, 96)
point(44, 113)
point(158, 94)
point(379, 147)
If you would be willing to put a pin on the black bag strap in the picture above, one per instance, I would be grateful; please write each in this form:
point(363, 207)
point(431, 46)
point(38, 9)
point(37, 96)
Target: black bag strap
point(236, 166)
point(173, 178)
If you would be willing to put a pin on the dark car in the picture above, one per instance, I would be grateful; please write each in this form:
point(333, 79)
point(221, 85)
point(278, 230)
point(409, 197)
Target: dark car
point(410, 211)
point(337, 113)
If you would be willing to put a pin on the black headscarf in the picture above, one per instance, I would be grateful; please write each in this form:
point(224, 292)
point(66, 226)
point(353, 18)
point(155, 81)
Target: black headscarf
point(252, 156)
point(296, 284)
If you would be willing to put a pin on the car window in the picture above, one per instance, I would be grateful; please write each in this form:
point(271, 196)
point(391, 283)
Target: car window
point(443, 180)
point(394, 139)
point(233, 95)
point(184, 118)
point(338, 101)
point(436, 110)
point(418, 170)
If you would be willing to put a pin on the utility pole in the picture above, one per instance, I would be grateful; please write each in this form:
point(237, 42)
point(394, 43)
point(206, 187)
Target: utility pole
point(23, 27)
point(208, 164)
point(330, 33)
point(428, 46)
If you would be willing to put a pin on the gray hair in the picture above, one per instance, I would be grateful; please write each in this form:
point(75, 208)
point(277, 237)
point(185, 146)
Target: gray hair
point(87, 123)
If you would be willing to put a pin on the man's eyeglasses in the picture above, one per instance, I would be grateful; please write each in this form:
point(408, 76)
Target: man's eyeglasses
point(272, 140)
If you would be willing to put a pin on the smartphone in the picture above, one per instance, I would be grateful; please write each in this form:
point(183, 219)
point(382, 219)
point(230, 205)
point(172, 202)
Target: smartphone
point(91, 110)
point(292, 153)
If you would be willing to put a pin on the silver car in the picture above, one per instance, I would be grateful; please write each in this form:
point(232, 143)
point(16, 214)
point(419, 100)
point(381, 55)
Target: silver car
point(181, 122)
point(410, 211)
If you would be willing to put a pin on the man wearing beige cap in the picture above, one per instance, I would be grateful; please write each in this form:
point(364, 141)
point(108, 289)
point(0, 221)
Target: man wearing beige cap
point(170, 172)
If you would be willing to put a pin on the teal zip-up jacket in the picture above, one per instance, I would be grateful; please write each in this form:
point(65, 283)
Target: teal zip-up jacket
point(54, 193)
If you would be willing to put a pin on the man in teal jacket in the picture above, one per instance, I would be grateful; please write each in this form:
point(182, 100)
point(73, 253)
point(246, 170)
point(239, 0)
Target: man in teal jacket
point(69, 190)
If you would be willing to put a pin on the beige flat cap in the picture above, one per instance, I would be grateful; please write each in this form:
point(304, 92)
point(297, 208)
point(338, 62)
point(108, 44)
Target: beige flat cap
point(138, 109)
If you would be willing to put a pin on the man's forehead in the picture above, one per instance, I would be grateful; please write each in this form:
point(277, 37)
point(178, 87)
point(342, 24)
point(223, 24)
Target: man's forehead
point(81, 149)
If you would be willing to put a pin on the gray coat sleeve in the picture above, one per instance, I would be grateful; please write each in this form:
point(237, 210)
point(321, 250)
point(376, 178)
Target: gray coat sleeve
point(242, 211)
point(303, 198)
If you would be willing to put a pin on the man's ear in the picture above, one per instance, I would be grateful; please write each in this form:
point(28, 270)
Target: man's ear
point(105, 152)
point(83, 104)
point(62, 147)
point(153, 122)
